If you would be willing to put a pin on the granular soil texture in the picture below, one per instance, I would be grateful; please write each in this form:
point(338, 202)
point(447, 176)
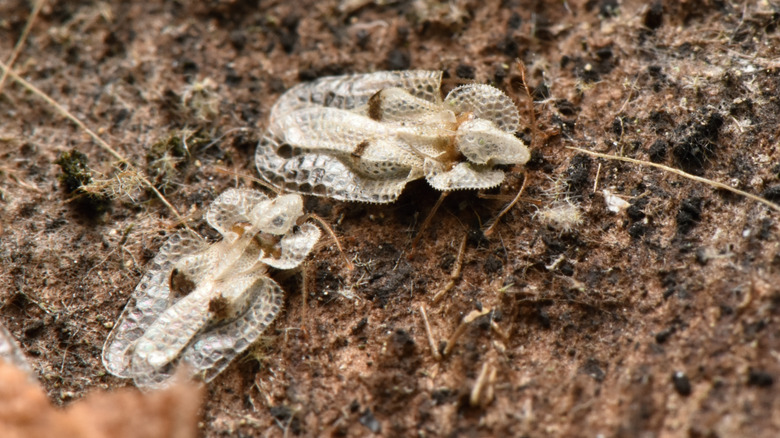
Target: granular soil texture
point(614, 300)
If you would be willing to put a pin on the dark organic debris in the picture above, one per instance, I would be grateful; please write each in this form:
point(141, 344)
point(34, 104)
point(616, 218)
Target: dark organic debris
point(697, 142)
point(760, 378)
point(689, 214)
point(681, 383)
point(74, 179)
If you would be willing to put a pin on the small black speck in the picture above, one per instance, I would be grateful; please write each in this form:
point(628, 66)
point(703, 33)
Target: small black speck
point(578, 172)
point(465, 71)
point(760, 378)
point(187, 67)
point(238, 39)
point(664, 335)
point(593, 368)
point(360, 326)
point(515, 21)
point(34, 328)
point(354, 406)
point(540, 92)
point(566, 269)
point(657, 151)
point(772, 193)
point(476, 238)
point(654, 17)
point(618, 127)
point(566, 108)
point(398, 60)
point(544, 318)
point(637, 230)
point(604, 53)
point(655, 71)
point(609, 8)
point(363, 38)
point(681, 383)
point(689, 214)
point(508, 46)
point(441, 396)
point(636, 211)
point(493, 264)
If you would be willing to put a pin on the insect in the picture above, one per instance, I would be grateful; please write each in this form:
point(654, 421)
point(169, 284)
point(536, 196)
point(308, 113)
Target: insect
point(200, 304)
point(363, 137)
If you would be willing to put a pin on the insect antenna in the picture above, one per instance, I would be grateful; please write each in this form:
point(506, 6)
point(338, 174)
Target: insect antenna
point(350, 265)
point(427, 222)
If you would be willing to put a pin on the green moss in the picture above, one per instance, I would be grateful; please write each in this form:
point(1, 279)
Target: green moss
point(74, 177)
point(75, 172)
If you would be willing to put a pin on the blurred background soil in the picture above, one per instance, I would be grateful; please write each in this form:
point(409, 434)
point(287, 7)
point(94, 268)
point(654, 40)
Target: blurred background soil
point(659, 318)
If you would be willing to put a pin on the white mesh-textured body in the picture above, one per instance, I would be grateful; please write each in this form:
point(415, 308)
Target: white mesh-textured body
point(223, 298)
point(363, 137)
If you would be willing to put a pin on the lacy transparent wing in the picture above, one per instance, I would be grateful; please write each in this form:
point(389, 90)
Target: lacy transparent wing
point(314, 173)
point(353, 91)
point(213, 349)
point(231, 207)
point(150, 298)
point(364, 137)
point(158, 353)
point(463, 176)
point(154, 354)
point(203, 304)
point(485, 102)
point(328, 130)
point(295, 247)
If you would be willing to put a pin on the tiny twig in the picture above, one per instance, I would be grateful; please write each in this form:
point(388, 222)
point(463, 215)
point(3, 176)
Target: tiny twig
point(679, 172)
point(22, 38)
point(332, 233)
point(461, 329)
point(499, 331)
point(431, 341)
point(456, 270)
point(596, 181)
point(476, 392)
point(427, 222)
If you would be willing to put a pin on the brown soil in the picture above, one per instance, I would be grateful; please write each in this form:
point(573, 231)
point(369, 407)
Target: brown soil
point(659, 320)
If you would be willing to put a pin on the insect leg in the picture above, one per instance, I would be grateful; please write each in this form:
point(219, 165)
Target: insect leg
point(427, 221)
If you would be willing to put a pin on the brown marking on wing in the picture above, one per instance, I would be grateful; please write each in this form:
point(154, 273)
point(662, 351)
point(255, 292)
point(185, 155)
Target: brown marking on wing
point(269, 244)
point(375, 106)
point(240, 228)
point(180, 283)
point(360, 149)
point(219, 307)
point(451, 155)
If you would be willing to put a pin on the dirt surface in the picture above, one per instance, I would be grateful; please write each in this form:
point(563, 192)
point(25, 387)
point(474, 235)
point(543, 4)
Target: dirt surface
point(659, 319)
